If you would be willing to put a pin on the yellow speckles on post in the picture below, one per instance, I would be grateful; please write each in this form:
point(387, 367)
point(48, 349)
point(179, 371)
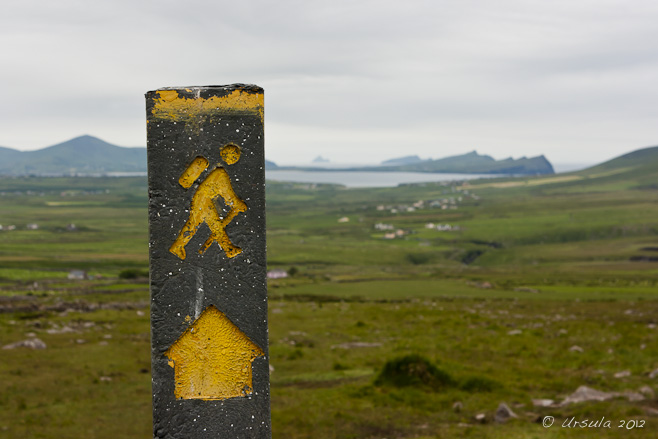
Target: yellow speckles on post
point(230, 153)
point(212, 359)
point(193, 172)
point(195, 111)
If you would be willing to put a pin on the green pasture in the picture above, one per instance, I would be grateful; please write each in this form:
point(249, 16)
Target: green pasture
point(544, 285)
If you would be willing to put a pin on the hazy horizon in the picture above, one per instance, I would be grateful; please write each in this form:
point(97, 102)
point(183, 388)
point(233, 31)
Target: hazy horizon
point(558, 166)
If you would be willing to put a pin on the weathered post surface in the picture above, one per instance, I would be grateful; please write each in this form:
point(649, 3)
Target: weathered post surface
point(207, 254)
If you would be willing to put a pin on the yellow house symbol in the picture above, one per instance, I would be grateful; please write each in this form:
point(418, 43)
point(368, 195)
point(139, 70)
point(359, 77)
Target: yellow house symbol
point(213, 359)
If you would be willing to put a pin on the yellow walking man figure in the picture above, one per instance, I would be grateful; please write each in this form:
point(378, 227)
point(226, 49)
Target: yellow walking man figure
point(203, 209)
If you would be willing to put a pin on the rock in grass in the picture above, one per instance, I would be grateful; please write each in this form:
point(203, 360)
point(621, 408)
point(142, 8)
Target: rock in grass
point(584, 393)
point(647, 391)
point(653, 374)
point(503, 413)
point(413, 371)
point(542, 402)
point(623, 374)
point(30, 343)
point(633, 396)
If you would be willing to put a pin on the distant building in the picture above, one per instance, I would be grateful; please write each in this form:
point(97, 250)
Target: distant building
point(382, 226)
point(32, 226)
point(277, 274)
point(344, 220)
point(71, 227)
point(77, 275)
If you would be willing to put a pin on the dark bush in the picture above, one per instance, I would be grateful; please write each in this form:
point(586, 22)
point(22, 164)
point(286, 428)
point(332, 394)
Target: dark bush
point(479, 384)
point(133, 273)
point(418, 258)
point(413, 370)
point(471, 256)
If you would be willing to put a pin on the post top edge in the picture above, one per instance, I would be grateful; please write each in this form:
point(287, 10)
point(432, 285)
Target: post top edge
point(229, 87)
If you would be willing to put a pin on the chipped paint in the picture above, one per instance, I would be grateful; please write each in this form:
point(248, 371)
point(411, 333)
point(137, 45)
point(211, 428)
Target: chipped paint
point(212, 359)
point(203, 209)
point(194, 112)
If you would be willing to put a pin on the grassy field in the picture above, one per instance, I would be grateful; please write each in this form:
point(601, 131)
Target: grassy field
point(529, 289)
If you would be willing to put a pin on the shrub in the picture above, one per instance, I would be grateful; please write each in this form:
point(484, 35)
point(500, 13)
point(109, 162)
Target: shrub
point(418, 258)
point(479, 384)
point(133, 273)
point(413, 370)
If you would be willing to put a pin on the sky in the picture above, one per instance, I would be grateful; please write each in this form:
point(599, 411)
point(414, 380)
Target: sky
point(353, 81)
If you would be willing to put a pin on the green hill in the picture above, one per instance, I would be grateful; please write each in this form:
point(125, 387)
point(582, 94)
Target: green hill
point(635, 170)
point(640, 157)
point(643, 160)
point(82, 155)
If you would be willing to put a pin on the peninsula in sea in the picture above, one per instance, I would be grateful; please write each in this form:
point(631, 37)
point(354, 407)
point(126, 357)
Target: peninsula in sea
point(470, 163)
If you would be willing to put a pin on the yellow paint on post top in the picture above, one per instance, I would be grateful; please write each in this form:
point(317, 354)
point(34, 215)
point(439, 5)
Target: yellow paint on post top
point(193, 112)
point(213, 359)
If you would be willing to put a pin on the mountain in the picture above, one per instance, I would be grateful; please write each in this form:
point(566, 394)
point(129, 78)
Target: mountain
point(471, 163)
point(82, 155)
point(474, 163)
point(406, 160)
point(320, 159)
point(641, 158)
point(637, 169)
point(270, 165)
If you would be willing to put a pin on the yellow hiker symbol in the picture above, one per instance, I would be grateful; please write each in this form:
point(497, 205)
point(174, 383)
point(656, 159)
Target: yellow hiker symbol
point(203, 209)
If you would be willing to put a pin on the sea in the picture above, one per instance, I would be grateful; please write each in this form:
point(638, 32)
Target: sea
point(356, 179)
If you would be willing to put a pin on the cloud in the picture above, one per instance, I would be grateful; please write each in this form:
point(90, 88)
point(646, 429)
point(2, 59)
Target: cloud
point(357, 79)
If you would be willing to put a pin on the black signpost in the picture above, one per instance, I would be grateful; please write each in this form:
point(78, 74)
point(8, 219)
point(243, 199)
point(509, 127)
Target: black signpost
point(208, 268)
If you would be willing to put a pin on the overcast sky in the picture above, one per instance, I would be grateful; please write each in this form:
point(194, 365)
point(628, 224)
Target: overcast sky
point(353, 81)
